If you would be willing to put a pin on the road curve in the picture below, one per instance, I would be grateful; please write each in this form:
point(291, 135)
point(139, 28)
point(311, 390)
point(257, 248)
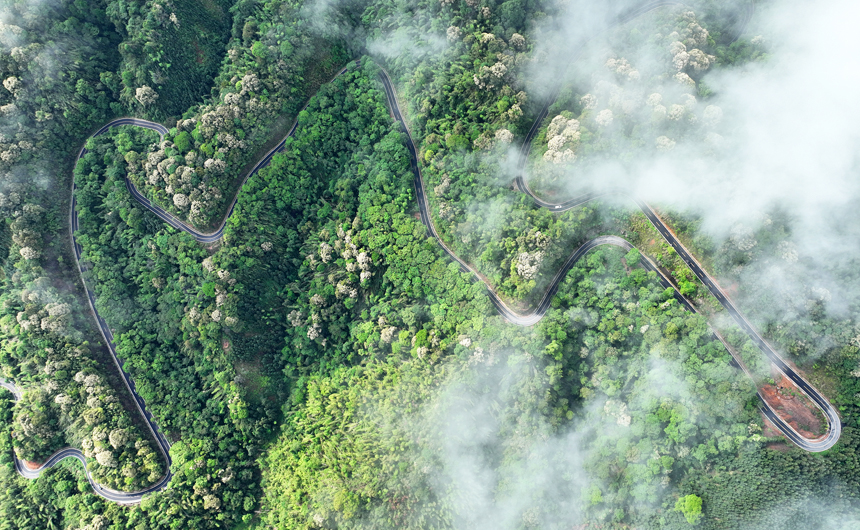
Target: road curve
point(172, 220)
point(424, 209)
point(834, 422)
point(107, 334)
point(70, 452)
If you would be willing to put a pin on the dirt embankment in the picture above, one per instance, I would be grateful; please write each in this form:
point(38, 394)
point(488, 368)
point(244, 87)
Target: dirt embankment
point(794, 407)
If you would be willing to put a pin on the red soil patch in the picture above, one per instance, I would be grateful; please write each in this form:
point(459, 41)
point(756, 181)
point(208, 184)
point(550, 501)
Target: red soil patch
point(31, 465)
point(794, 407)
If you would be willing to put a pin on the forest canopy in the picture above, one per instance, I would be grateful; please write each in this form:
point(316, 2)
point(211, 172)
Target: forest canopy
point(325, 363)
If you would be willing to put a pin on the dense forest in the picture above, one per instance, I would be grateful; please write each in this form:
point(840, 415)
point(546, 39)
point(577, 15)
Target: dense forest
point(325, 364)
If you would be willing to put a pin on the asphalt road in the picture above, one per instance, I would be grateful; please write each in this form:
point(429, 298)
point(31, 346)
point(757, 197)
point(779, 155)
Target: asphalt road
point(172, 220)
point(70, 452)
point(832, 417)
point(424, 209)
point(107, 334)
point(834, 423)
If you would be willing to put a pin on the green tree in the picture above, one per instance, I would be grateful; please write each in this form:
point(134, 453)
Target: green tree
point(691, 507)
point(632, 258)
point(183, 141)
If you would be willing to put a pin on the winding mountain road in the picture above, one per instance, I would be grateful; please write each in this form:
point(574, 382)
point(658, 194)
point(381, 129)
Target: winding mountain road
point(531, 318)
point(424, 210)
point(832, 417)
point(119, 497)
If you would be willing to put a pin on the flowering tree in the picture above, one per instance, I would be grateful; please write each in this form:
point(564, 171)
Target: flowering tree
point(145, 95)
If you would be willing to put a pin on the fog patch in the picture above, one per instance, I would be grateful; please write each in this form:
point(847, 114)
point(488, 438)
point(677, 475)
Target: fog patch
point(406, 42)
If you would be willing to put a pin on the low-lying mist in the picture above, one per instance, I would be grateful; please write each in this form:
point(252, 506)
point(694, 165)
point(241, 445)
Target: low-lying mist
point(787, 143)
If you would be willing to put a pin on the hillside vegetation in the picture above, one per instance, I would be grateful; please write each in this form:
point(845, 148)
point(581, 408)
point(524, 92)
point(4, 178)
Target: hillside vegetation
point(325, 364)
